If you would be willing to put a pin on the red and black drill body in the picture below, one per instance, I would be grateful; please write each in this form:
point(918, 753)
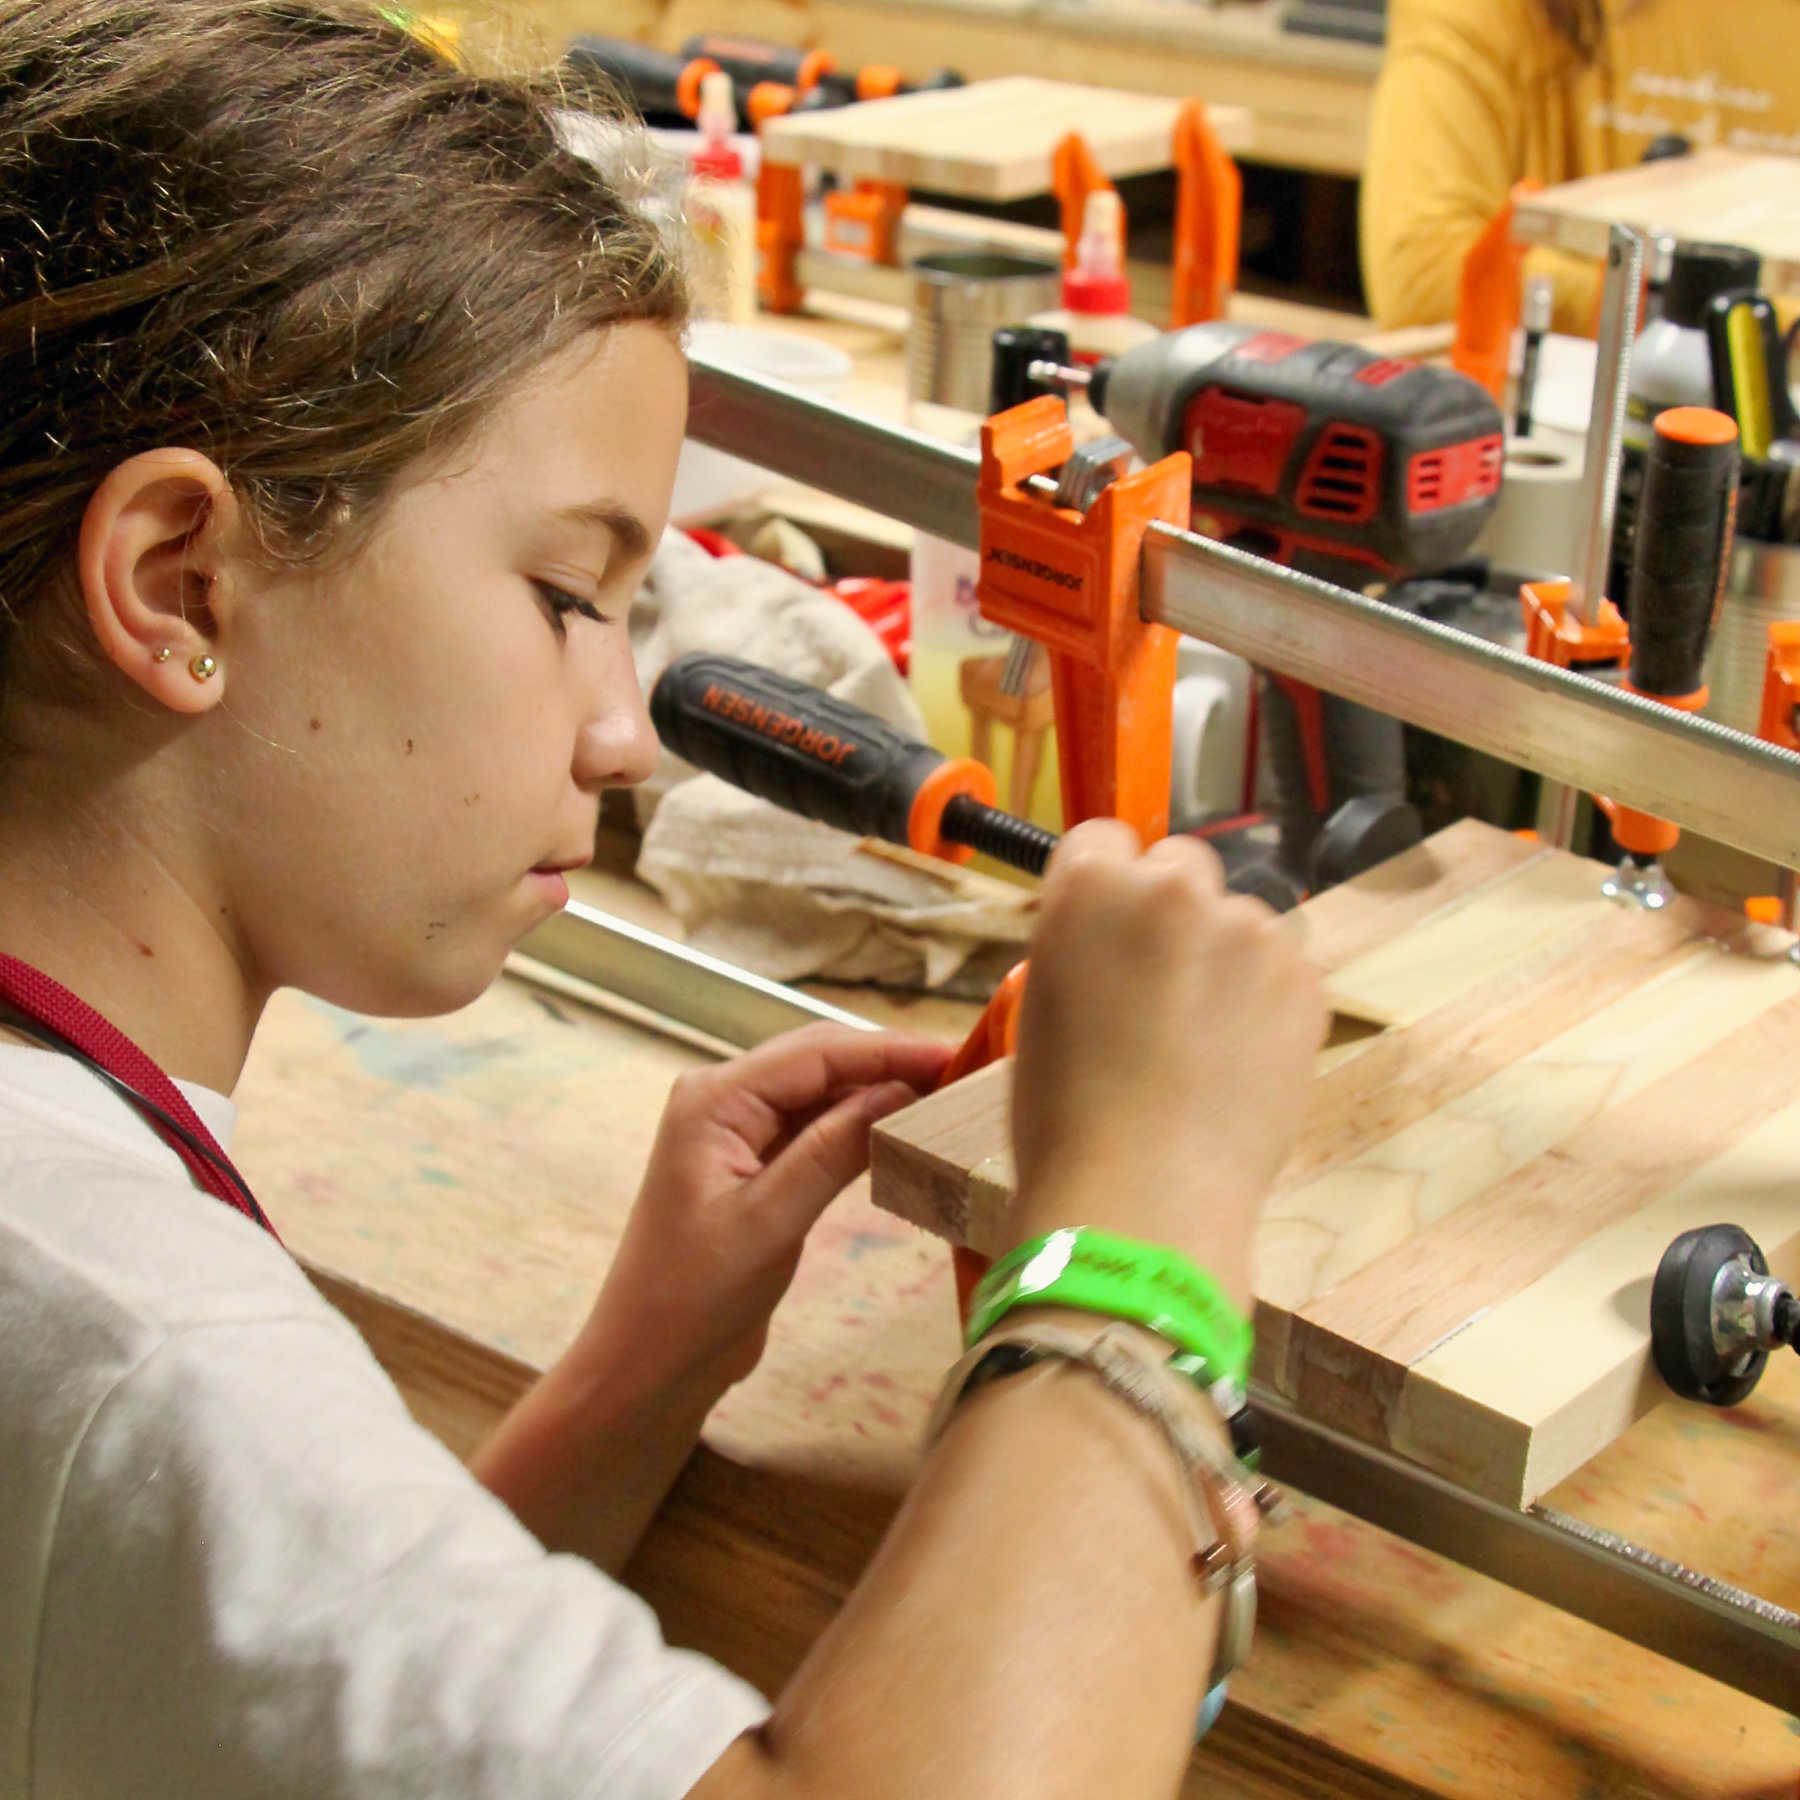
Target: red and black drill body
point(1328, 458)
point(1333, 460)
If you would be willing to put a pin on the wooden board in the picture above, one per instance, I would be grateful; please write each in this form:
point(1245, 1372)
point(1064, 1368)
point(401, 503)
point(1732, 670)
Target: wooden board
point(1717, 196)
point(456, 1186)
point(1455, 1261)
point(1310, 98)
point(992, 140)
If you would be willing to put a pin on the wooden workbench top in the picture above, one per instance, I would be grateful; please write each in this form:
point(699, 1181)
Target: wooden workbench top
point(459, 1184)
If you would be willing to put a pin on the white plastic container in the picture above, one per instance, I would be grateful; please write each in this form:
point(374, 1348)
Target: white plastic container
point(1095, 313)
point(707, 481)
point(721, 209)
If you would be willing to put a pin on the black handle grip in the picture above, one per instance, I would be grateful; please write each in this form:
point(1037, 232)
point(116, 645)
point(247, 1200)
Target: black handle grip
point(787, 742)
point(1681, 549)
point(650, 78)
point(750, 60)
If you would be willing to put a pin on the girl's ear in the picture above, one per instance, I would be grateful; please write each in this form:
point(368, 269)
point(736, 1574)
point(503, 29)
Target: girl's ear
point(151, 558)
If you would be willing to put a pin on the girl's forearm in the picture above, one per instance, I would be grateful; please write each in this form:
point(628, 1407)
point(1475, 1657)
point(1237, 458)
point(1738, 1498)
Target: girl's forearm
point(1031, 1625)
point(584, 1459)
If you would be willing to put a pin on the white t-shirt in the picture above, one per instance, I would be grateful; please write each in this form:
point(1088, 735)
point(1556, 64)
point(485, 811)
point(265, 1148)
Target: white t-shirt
point(231, 1567)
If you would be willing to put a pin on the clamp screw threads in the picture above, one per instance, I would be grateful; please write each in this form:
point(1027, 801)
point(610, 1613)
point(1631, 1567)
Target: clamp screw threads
point(1006, 838)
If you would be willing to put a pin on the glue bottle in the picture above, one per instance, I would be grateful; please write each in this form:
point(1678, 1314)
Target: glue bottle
point(1096, 291)
point(722, 209)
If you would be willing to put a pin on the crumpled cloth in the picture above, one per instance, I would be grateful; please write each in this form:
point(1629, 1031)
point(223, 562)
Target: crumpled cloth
point(774, 893)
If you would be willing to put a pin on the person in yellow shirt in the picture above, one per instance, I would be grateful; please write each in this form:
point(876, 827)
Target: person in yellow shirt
point(1478, 94)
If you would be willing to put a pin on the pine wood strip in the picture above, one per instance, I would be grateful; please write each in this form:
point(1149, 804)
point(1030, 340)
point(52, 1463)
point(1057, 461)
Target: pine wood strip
point(945, 1164)
point(1704, 1055)
point(1474, 903)
point(1469, 941)
point(1565, 1363)
point(1349, 921)
point(1403, 1076)
point(1316, 1237)
point(992, 140)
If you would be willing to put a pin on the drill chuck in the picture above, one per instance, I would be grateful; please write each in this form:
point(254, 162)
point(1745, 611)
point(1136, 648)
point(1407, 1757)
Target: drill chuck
point(811, 753)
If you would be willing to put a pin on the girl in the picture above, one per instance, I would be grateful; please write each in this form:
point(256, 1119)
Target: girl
point(1477, 94)
point(339, 407)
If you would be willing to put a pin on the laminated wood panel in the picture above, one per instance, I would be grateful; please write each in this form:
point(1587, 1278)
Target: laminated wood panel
point(1455, 1261)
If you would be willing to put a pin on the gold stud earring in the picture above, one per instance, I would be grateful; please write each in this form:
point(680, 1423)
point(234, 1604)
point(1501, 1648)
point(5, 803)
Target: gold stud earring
point(203, 668)
point(164, 654)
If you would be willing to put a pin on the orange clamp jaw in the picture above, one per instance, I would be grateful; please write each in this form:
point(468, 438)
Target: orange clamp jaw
point(1554, 635)
point(1070, 580)
point(996, 1035)
point(863, 220)
point(1781, 687)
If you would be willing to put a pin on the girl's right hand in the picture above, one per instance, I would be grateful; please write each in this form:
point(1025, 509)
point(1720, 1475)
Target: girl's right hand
point(1165, 1051)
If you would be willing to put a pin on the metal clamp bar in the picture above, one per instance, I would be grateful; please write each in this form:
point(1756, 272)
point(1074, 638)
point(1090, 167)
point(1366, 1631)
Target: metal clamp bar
point(891, 469)
point(668, 979)
point(1566, 726)
point(1708, 1625)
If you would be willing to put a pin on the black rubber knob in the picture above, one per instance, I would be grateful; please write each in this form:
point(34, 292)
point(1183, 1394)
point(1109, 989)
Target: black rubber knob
point(1680, 554)
point(1681, 1317)
point(1361, 833)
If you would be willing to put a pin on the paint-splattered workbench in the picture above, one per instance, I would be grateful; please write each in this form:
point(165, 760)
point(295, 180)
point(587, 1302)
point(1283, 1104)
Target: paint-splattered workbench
point(458, 1184)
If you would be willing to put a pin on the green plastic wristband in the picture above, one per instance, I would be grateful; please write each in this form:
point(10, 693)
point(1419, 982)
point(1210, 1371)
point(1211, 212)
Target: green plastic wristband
point(1093, 1271)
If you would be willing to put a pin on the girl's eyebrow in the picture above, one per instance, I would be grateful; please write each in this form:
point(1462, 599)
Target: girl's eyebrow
point(629, 532)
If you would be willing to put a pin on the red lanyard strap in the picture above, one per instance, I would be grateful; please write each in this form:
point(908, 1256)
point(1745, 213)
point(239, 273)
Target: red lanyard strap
point(70, 1024)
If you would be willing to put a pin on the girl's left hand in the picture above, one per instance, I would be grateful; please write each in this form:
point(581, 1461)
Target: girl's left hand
point(748, 1155)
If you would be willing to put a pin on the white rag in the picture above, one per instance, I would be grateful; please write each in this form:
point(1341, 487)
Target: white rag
point(774, 893)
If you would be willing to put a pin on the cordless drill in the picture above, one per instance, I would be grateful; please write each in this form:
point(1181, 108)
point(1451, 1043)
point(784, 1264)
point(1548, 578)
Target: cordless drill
point(1350, 466)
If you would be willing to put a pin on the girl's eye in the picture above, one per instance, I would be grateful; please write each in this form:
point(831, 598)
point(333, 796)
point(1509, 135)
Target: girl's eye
point(561, 603)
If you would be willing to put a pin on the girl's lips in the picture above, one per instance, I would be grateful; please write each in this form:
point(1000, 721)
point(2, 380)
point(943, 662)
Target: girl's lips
point(552, 884)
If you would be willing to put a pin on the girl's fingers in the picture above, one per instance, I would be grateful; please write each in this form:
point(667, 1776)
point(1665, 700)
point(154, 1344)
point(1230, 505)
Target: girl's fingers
point(803, 1068)
point(829, 1154)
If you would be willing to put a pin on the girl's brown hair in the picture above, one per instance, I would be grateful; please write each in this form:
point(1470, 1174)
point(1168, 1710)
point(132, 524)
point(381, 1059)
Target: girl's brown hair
point(286, 233)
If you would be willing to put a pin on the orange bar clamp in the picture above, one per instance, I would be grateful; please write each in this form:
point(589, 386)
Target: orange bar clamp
point(1209, 210)
point(1488, 299)
point(1074, 174)
point(780, 209)
point(1070, 580)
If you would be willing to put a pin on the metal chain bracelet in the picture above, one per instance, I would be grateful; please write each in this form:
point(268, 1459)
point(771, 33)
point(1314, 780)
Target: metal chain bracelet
point(1225, 1501)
